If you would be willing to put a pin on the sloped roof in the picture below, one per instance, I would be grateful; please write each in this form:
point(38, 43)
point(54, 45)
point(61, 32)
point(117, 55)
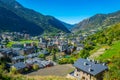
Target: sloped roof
point(18, 57)
point(19, 65)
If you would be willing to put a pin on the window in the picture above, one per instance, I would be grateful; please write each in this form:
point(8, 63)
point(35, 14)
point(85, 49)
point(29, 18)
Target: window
point(83, 78)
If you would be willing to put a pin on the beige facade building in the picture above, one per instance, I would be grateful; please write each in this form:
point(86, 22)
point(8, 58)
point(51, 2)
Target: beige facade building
point(86, 69)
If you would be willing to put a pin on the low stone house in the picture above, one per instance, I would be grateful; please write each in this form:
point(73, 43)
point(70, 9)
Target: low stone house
point(17, 59)
point(41, 63)
point(1, 56)
point(42, 45)
point(7, 53)
point(27, 50)
point(19, 66)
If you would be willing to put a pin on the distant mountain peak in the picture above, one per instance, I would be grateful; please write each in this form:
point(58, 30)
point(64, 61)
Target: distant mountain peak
point(12, 3)
point(8, 1)
point(98, 21)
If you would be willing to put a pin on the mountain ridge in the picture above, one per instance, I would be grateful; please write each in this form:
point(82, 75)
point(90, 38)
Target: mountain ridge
point(98, 21)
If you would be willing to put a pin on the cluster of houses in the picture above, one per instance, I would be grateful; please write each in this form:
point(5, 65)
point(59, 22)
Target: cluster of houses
point(28, 64)
point(13, 36)
point(67, 46)
point(24, 56)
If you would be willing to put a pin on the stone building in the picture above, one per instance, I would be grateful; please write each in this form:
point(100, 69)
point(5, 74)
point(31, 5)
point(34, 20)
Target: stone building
point(86, 69)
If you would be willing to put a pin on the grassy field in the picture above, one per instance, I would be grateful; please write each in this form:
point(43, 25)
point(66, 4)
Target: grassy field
point(58, 70)
point(20, 42)
point(112, 57)
point(48, 78)
point(26, 77)
point(113, 51)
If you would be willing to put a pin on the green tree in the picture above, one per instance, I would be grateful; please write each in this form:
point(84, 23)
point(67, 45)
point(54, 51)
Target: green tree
point(54, 57)
point(84, 53)
point(6, 40)
point(42, 56)
point(54, 54)
point(35, 67)
point(13, 70)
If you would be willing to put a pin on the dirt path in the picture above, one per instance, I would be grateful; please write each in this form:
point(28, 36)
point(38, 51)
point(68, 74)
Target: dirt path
point(58, 70)
point(97, 53)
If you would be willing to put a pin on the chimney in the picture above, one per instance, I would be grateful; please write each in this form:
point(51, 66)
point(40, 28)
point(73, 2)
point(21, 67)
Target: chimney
point(98, 61)
point(93, 60)
point(85, 63)
point(90, 69)
point(103, 64)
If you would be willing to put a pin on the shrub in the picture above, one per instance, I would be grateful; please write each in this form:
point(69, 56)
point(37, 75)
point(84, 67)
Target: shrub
point(13, 70)
point(35, 67)
point(42, 56)
point(66, 61)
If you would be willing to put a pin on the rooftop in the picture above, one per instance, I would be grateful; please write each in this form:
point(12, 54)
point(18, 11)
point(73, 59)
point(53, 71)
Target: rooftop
point(19, 65)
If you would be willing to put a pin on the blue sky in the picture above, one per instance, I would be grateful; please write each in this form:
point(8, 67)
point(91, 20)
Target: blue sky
point(72, 11)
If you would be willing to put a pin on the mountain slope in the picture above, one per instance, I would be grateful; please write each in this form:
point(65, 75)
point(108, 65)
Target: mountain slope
point(11, 22)
point(45, 23)
point(107, 36)
point(99, 21)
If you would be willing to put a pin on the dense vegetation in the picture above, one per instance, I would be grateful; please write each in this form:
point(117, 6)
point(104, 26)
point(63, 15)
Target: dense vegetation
point(112, 58)
point(11, 22)
point(111, 38)
point(4, 75)
point(106, 36)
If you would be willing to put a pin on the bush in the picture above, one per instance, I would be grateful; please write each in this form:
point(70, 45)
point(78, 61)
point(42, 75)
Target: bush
point(35, 67)
point(42, 56)
point(66, 61)
point(13, 70)
point(84, 53)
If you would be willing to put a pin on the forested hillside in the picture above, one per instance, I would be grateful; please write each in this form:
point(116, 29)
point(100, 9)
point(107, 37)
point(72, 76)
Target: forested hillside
point(26, 20)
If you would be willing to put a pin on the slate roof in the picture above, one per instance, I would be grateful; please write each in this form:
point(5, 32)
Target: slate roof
point(41, 63)
point(6, 51)
point(32, 55)
point(18, 57)
point(16, 49)
point(19, 65)
point(90, 67)
point(1, 55)
point(44, 52)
